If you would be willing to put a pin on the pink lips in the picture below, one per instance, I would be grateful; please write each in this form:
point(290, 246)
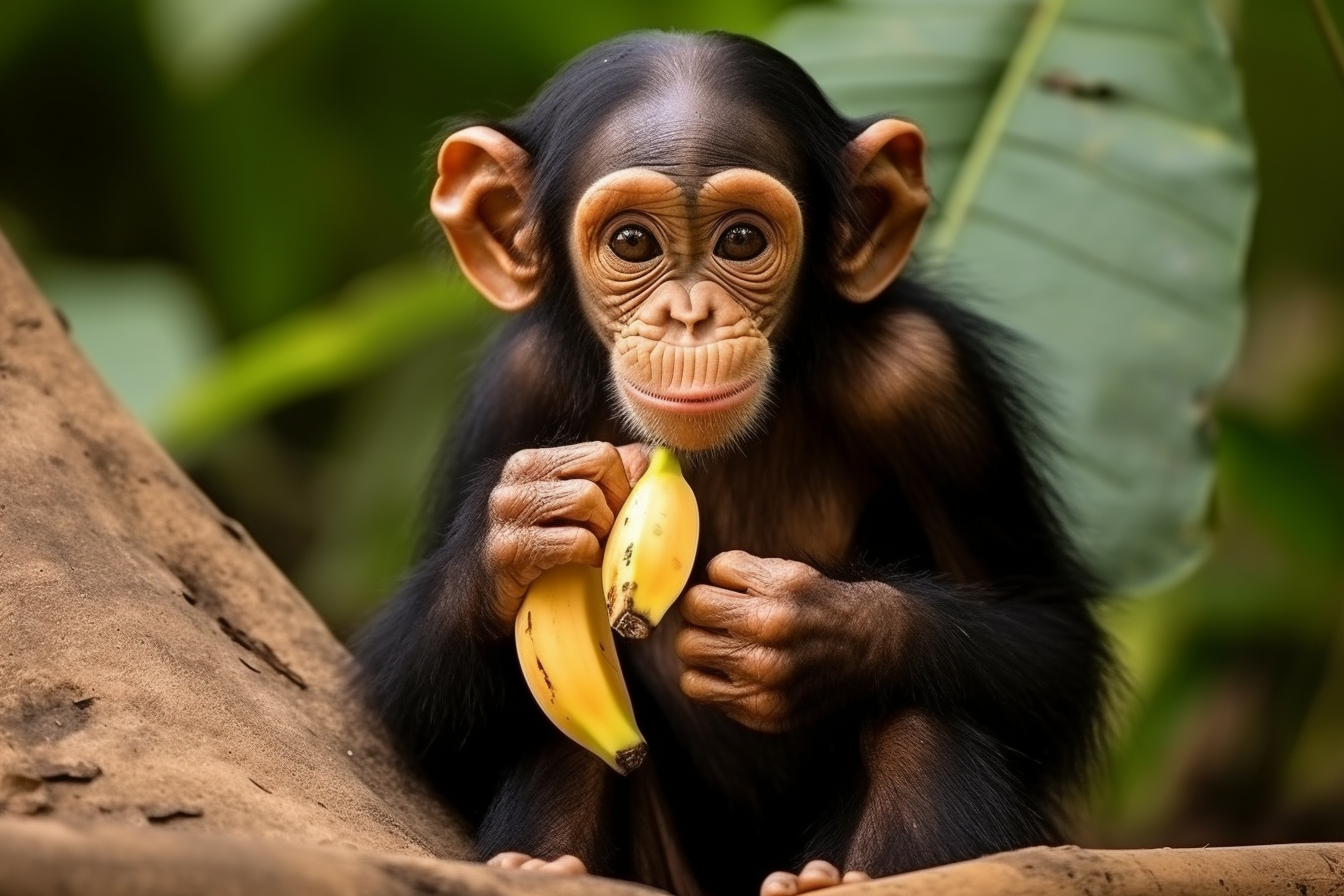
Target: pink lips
point(694, 402)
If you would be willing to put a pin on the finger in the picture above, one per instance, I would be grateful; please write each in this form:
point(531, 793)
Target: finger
point(566, 865)
point(597, 462)
point(556, 545)
point(579, 501)
point(701, 648)
point(704, 687)
point(523, 553)
point(762, 709)
point(550, 501)
point(817, 875)
point(711, 607)
point(508, 860)
point(741, 661)
point(764, 576)
point(601, 464)
point(779, 883)
point(746, 617)
point(854, 877)
point(534, 865)
point(740, 571)
point(635, 457)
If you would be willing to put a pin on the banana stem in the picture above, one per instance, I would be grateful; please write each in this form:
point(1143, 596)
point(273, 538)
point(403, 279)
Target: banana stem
point(662, 460)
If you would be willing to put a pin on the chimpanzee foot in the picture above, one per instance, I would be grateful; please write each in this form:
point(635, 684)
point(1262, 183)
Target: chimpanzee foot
point(816, 875)
point(522, 861)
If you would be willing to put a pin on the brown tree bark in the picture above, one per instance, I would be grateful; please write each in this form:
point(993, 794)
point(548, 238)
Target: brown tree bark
point(155, 666)
point(1297, 869)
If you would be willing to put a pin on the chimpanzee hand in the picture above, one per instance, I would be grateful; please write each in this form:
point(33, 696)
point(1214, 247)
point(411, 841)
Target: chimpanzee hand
point(771, 642)
point(553, 506)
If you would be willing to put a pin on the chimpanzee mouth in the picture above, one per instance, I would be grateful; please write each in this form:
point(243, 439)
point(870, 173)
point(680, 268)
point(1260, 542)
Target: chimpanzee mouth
point(694, 401)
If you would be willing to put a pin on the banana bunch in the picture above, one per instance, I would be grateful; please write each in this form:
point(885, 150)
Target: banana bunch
point(563, 636)
point(651, 548)
point(569, 661)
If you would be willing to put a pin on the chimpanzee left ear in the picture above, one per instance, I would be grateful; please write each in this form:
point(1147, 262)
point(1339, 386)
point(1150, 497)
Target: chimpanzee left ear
point(479, 200)
point(886, 169)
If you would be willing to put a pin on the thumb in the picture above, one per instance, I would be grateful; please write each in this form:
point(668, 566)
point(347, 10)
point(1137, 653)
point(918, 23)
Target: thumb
point(635, 459)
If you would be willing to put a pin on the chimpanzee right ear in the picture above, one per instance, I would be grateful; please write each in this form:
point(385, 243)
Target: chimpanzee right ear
point(478, 200)
point(886, 164)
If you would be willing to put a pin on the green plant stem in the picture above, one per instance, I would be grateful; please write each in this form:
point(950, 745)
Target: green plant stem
point(990, 134)
point(1333, 42)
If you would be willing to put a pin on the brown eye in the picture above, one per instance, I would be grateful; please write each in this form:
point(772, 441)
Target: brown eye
point(633, 243)
point(741, 242)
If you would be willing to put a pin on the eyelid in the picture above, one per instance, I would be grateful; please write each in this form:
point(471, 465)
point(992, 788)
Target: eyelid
point(748, 216)
point(630, 218)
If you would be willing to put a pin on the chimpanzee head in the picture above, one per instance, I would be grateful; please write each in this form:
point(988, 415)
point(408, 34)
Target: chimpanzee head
point(687, 191)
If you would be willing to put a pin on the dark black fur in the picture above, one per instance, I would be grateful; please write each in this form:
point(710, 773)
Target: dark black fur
point(999, 715)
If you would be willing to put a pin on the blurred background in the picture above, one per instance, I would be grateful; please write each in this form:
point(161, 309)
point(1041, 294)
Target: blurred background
point(227, 201)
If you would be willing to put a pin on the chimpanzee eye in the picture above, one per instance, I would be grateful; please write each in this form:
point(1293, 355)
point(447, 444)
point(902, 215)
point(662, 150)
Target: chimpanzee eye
point(741, 242)
point(634, 243)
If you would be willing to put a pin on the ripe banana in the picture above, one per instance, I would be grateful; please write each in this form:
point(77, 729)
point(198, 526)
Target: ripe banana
point(651, 548)
point(569, 661)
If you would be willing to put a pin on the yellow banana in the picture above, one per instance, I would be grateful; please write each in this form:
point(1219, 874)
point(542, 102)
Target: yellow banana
point(651, 548)
point(569, 661)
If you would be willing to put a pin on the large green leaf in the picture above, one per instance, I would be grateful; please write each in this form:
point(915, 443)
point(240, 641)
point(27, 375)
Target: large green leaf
point(1096, 184)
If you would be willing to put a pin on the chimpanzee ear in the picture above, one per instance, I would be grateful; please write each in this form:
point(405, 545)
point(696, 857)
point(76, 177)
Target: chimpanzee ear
point(478, 200)
point(886, 168)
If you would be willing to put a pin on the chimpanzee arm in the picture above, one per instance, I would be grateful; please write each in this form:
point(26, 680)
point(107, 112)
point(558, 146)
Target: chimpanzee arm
point(1000, 627)
point(436, 670)
point(985, 714)
point(436, 662)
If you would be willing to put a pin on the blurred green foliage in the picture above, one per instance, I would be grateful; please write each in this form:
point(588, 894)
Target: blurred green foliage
point(247, 180)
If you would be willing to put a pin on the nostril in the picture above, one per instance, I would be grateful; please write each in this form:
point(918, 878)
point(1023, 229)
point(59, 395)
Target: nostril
point(689, 311)
point(696, 305)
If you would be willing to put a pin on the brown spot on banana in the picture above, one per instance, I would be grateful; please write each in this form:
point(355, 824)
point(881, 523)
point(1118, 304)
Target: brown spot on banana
point(545, 677)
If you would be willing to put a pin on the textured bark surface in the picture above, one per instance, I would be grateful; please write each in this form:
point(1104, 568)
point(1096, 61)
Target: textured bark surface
point(155, 666)
point(41, 858)
point(1298, 869)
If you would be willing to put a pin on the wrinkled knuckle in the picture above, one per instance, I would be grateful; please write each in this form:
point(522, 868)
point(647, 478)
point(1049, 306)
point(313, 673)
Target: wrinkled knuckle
point(588, 496)
point(683, 644)
point(799, 576)
point(568, 544)
point(520, 463)
point(768, 711)
point(692, 604)
point(773, 622)
point(502, 550)
point(606, 452)
point(690, 684)
point(503, 503)
point(537, 500)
